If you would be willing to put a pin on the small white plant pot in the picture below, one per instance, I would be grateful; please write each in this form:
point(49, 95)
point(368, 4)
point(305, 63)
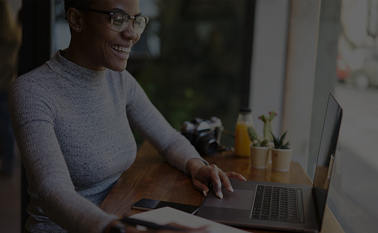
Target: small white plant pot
point(259, 157)
point(281, 159)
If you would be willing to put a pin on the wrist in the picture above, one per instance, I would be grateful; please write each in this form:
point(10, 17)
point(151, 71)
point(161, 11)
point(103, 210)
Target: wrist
point(193, 165)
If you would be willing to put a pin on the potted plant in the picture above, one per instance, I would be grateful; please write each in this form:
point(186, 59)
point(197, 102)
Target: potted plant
point(260, 147)
point(281, 153)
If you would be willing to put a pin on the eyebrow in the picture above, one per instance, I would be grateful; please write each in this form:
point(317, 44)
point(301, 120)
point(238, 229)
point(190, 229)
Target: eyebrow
point(122, 11)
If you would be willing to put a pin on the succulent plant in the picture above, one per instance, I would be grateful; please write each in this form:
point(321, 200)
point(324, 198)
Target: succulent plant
point(279, 141)
point(267, 124)
point(262, 141)
point(253, 135)
point(256, 139)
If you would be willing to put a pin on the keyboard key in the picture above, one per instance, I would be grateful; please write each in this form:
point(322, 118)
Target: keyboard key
point(275, 204)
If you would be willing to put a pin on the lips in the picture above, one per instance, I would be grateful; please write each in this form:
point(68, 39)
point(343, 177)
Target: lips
point(120, 49)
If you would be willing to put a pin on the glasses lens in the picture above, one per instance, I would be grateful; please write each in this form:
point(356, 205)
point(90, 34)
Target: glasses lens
point(119, 22)
point(140, 24)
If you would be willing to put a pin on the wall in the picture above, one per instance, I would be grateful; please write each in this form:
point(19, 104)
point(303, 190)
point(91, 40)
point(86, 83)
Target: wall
point(300, 75)
point(269, 60)
point(283, 67)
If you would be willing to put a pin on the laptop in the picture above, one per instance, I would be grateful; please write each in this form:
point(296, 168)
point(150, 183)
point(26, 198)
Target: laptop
point(279, 206)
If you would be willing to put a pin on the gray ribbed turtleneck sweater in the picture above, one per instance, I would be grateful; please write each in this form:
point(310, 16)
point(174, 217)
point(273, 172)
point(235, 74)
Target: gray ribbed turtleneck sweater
point(72, 126)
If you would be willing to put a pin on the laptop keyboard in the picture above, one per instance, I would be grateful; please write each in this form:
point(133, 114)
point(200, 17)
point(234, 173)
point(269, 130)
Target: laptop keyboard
point(278, 204)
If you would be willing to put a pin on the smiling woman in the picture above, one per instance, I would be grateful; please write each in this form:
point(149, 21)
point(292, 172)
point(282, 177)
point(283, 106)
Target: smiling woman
point(103, 40)
point(73, 116)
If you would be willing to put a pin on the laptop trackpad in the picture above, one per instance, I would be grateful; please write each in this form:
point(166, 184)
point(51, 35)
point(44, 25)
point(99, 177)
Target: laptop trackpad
point(239, 199)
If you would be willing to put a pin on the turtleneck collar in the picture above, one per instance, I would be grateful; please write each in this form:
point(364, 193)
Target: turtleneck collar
point(74, 72)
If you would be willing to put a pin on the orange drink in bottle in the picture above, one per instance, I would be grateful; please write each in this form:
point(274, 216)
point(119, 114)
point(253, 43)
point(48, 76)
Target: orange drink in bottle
point(242, 140)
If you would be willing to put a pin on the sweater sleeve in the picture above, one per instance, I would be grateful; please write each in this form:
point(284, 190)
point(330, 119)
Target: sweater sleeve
point(32, 114)
point(150, 123)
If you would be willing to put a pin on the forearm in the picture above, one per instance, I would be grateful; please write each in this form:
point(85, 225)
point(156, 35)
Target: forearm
point(145, 119)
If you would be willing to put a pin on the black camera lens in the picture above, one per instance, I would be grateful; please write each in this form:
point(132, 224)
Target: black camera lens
point(206, 144)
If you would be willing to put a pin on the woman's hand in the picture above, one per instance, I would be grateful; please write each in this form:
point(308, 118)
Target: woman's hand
point(204, 175)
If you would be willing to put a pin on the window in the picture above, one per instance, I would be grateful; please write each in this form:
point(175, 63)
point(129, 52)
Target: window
point(353, 187)
point(193, 65)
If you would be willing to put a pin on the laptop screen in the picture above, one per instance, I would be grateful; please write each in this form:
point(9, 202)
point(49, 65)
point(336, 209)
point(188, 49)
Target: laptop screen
point(327, 149)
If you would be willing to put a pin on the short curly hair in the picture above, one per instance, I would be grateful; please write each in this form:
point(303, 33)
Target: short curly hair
point(77, 4)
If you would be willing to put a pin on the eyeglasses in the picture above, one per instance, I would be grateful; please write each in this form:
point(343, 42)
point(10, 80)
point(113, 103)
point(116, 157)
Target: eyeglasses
point(120, 20)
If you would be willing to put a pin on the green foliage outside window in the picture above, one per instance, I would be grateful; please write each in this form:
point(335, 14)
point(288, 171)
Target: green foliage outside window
point(198, 70)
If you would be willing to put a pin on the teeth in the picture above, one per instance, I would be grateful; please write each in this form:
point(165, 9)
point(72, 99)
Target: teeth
point(120, 49)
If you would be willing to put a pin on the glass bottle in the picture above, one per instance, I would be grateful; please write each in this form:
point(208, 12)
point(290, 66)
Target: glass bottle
point(242, 140)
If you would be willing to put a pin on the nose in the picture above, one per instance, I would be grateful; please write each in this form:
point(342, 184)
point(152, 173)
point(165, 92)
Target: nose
point(129, 32)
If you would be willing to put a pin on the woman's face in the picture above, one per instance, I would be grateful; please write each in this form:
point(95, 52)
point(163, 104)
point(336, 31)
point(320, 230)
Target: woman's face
point(102, 47)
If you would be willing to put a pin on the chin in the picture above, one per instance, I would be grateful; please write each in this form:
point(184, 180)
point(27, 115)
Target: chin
point(120, 67)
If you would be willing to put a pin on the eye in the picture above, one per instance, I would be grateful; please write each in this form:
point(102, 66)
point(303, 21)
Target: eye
point(119, 19)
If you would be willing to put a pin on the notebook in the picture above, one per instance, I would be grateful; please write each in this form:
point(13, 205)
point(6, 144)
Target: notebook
point(167, 215)
point(279, 206)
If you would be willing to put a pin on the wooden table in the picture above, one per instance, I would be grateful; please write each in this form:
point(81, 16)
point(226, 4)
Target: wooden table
point(151, 177)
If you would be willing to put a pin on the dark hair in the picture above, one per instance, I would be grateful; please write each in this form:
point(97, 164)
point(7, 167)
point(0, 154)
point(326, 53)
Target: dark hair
point(77, 4)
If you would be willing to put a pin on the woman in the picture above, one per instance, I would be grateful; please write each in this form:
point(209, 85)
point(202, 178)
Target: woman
point(72, 119)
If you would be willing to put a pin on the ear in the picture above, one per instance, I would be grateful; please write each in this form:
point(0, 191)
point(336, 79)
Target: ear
point(75, 19)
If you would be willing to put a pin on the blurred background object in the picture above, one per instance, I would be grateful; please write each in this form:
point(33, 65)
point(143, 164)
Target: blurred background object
point(10, 172)
point(358, 44)
point(10, 42)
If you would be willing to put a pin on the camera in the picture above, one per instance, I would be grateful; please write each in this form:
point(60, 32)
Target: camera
point(204, 135)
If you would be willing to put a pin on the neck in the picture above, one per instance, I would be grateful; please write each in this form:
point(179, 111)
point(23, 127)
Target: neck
point(74, 54)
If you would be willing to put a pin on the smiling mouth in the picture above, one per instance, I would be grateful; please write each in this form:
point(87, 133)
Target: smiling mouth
point(120, 49)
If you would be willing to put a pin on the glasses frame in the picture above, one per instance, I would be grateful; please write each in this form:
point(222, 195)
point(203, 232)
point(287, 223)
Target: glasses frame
point(111, 14)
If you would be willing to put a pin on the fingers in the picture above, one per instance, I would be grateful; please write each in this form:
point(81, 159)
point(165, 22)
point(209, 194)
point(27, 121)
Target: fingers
point(214, 174)
point(234, 175)
point(219, 177)
point(224, 177)
point(226, 181)
point(216, 180)
point(211, 174)
point(218, 191)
